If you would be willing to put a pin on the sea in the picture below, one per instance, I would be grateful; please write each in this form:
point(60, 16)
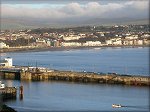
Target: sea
point(51, 96)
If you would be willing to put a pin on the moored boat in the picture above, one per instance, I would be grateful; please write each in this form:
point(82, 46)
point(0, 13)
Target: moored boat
point(116, 105)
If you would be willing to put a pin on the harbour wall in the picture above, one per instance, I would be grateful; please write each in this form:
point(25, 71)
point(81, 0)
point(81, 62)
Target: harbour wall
point(83, 77)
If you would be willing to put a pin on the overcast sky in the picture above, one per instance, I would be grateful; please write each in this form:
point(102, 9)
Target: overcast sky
point(58, 10)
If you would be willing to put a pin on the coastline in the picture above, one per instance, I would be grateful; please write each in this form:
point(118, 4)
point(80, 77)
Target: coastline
point(39, 49)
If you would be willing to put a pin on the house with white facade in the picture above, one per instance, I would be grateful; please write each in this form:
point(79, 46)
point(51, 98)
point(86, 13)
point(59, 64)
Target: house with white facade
point(140, 42)
point(7, 62)
point(114, 41)
point(117, 41)
point(128, 42)
point(132, 37)
point(2, 85)
point(108, 42)
point(65, 44)
point(71, 37)
point(3, 45)
point(92, 43)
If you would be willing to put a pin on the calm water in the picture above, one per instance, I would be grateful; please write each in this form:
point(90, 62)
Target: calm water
point(120, 60)
point(68, 96)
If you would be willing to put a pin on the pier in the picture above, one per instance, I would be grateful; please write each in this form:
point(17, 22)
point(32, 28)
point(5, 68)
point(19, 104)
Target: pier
point(8, 93)
point(36, 74)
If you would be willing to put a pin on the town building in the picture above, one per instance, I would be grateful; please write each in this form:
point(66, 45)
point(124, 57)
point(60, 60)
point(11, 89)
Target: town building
point(114, 41)
point(92, 43)
point(2, 85)
point(3, 45)
point(71, 37)
point(65, 44)
point(7, 62)
point(132, 37)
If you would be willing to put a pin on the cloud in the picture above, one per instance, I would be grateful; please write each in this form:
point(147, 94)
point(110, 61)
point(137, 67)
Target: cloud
point(77, 10)
point(72, 9)
point(139, 5)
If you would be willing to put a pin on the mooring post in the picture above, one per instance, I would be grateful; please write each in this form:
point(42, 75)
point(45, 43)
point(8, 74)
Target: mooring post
point(21, 92)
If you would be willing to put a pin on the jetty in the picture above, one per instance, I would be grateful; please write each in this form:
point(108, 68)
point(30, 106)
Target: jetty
point(9, 93)
point(41, 74)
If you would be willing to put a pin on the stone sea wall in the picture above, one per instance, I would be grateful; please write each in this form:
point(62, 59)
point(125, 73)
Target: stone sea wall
point(80, 77)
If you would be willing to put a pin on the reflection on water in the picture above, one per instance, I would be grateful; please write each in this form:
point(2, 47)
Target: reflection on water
point(137, 107)
point(68, 96)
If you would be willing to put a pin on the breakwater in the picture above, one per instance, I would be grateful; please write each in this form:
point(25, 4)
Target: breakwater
point(84, 77)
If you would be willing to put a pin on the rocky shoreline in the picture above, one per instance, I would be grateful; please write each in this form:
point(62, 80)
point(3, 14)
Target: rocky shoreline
point(63, 48)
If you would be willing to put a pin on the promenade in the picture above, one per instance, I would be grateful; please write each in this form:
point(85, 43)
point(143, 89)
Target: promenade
point(38, 49)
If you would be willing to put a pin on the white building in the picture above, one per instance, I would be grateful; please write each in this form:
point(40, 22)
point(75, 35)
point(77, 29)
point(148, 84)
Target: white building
point(71, 44)
point(7, 62)
point(114, 41)
point(108, 42)
point(71, 37)
point(2, 85)
point(3, 45)
point(140, 42)
point(92, 43)
point(40, 40)
point(117, 42)
point(128, 42)
point(132, 37)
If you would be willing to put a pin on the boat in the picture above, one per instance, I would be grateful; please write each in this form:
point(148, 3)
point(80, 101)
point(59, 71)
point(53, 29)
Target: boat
point(116, 106)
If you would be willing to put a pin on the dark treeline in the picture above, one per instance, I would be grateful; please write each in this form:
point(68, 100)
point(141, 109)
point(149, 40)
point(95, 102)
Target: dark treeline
point(19, 42)
point(83, 29)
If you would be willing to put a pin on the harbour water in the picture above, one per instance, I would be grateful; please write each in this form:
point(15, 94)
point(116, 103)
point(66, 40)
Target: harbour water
point(134, 61)
point(69, 96)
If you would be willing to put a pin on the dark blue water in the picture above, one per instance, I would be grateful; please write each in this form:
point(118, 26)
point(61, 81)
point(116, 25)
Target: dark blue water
point(134, 61)
point(68, 96)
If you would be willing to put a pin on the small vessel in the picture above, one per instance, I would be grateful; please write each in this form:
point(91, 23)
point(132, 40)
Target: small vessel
point(116, 106)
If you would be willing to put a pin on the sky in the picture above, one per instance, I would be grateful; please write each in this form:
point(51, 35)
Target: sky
point(74, 10)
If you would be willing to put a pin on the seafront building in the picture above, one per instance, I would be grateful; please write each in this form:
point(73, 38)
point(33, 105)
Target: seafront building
point(78, 36)
point(7, 62)
point(3, 45)
point(2, 85)
point(71, 37)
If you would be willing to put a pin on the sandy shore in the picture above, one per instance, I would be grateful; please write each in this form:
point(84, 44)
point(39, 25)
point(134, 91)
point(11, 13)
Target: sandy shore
point(61, 48)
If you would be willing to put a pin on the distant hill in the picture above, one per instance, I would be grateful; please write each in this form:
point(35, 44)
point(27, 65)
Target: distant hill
point(30, 24)
point(15, 24)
